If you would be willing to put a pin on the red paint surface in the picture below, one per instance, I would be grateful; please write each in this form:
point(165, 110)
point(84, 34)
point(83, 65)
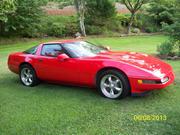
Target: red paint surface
point(83, 71)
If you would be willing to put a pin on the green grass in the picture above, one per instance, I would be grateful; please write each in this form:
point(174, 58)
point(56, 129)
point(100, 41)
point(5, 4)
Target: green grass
point(53, 109)
point(139, 44)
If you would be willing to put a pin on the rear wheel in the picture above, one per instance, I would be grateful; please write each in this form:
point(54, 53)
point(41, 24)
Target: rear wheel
point(113, 84)
point(28, 76)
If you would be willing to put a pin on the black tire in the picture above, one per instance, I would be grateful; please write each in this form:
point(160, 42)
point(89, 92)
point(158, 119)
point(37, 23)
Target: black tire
point(34, 78)
point(122, 77)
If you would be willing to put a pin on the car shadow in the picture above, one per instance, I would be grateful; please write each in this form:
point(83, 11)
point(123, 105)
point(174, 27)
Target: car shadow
point(69, 90)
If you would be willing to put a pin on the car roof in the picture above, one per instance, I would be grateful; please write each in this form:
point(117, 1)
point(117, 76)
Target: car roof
point(62, 41)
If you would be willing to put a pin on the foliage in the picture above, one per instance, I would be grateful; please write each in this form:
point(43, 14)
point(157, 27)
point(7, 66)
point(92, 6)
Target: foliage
point(98, 12)
point(64, 3)
point(114, 25)
point(173, 30)
point(26, 18)
point(59, 26)
point(100, 16)
point(109, 28)
point(80, 6)
point(71, 29)
point(56, 29)
point(169, 48)
point(166, 49)
point(162, 11)
point(156, 13)
point(123, 19)
point(6, 7)
point(133, 6)
point(95, 30)
point(146, 23)
point(151, 29)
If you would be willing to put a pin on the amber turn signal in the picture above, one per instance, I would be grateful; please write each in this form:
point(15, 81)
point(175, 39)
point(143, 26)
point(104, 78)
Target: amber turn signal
point(140, 81)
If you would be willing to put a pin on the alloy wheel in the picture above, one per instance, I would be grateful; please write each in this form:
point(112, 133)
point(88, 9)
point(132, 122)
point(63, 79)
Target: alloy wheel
point(26, 76)
point(111, 86)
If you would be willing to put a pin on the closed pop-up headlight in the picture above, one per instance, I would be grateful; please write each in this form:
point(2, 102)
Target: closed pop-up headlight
point(164, 80)
point(149, 82)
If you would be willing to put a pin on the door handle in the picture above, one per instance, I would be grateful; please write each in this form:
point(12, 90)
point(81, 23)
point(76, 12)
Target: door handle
point(40, 60)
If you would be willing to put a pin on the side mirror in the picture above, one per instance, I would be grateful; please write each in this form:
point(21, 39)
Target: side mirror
point(62, 57)
point(106, 47)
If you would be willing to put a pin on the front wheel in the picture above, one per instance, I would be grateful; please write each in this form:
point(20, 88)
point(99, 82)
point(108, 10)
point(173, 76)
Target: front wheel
point(28, 76)
point(113, 84)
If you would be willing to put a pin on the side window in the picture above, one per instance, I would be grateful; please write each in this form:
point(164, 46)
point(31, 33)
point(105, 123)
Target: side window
point(31, 50)
point(51, 50)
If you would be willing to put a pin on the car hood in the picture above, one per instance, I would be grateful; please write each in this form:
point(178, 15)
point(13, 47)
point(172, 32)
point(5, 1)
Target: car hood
point(140, 60)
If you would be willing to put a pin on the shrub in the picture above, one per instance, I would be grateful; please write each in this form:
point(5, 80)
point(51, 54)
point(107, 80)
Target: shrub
point(177, 47)
point(151, 29)
point(100, 17)
point(71, 29)
point(146, 23)
point(123, 19)
point(162, 11)
point(94, 30)
point(59, 26)
point(113, 25)
point(33, 31)
point(56, 29)
point(110, 26)
point(98, 12)
point(166, 49)
point(25, 21)
point(173, 30)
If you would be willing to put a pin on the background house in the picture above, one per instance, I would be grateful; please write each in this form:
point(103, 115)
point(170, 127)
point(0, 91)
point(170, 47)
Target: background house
point(53, 8)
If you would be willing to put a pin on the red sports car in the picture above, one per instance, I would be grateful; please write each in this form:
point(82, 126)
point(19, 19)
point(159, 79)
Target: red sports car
point(116, 74)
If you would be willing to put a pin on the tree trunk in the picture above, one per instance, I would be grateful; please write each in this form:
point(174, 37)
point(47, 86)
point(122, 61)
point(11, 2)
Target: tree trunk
point(80, 7)
point(1, 28)
point(130, 23)
point(82, 27)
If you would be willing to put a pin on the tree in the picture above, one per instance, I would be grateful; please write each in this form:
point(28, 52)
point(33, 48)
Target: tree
point(173, 31)
point(7, 7)
point(162, 11)
point(133, 6)
point(26, 18)
point(80, 7)
point(98, 12)
point(173, 28)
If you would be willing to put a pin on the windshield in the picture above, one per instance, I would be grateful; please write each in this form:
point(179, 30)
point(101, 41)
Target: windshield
point(31, 50)
point(82, 49)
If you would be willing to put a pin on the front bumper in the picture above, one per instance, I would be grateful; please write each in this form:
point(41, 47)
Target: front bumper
point(138, 89)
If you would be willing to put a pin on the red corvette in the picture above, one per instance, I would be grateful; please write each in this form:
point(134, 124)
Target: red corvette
point(115, 74)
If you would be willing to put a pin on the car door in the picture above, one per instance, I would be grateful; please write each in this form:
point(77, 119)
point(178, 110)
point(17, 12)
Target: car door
point(50, 68)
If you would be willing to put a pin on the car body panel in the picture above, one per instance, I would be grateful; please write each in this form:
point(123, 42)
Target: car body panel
point(83, 70)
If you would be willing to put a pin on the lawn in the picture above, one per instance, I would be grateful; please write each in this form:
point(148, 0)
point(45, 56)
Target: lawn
point(53, 109)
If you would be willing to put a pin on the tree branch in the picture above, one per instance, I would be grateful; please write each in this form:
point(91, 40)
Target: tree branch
point(126, 4)
point(136, 4)
point(130, 4)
